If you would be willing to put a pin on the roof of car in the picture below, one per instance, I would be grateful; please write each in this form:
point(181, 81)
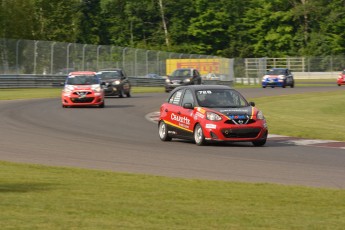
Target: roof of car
point(82, 73)
point(279, 68)
point(202, 87)
point(109, 70)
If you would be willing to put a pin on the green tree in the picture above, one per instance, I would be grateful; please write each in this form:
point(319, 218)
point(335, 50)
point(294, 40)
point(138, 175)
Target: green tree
point(57, 20)
point(18, 19)
point(89, 22)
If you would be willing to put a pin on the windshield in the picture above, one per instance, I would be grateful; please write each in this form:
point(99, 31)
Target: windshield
point(220, 98)
point(276, 72)
point(110, 75)
point(181, 73)
point(82, 80)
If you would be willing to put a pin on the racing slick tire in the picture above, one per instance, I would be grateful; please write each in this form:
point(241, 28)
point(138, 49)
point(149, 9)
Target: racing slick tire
point(199, 136)
point(163, 131)
point(261, 142)
point(121, 94)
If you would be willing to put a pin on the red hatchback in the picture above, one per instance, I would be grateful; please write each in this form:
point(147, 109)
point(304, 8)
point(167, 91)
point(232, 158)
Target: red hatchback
point(82, 88)
point(209, 113)
point(341, 78)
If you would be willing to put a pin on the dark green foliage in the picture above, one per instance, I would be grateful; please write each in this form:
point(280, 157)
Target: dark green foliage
point(229, 28)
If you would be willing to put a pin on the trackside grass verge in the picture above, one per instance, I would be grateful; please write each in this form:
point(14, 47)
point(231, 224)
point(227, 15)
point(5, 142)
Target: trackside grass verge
point(12, 94)
point(310, 115)
point(40, 197)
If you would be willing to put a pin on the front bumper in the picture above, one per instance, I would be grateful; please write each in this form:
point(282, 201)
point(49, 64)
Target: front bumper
point(236, 133)
point(273, 83)
point(112, 90)
point(341, 81)
point(90, 99)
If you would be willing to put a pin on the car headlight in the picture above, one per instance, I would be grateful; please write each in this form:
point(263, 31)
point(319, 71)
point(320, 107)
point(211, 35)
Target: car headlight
point(117, 82)
point(167, 80)
point(68, 89)
point(264, 78)
point(260, 116)
point(186, 80)
point(281, 77)
point(96, 88)
point(213, 116)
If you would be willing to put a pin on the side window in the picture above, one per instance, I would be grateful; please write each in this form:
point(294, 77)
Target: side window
point(176, 98)
point(188, 98)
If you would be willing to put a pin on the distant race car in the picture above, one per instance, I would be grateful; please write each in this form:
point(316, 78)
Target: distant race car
point(341, 78)
point(183, 76)
point(115, 82)
point(211, 113)
point(278, 77)
point(82, 88)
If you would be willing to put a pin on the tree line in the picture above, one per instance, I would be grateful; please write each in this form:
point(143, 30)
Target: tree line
point(228, 28)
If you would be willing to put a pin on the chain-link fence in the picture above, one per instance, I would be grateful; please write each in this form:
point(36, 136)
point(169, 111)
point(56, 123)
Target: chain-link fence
point(57, 58)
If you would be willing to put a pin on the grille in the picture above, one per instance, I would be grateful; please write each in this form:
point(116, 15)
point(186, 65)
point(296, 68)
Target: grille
point(239, 121)
point(241, 133)
point(82, 93)
point(82, 100)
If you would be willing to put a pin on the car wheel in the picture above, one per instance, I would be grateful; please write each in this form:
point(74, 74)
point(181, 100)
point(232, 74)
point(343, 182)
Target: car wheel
point(163, 131)
point(101, 105)
point(339, 85)
point(128, 94)
point(121, 94)
point(292, 85)
point(263, 86)
point(199, 137)
point(260, 142)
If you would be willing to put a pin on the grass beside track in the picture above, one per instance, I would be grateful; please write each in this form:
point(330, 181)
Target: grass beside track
point(40, 197)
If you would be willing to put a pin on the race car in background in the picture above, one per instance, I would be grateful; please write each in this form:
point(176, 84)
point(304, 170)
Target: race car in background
point(211, 113)
point(115, 82)
point(341, 78)
point(182, 76)
point(82, 88)
point(278, 77)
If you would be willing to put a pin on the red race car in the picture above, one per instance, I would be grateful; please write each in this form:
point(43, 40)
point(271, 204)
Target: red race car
point(210, 113)
point(341, 78)
point(82, 88)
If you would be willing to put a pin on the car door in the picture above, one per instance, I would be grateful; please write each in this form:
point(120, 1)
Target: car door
point(187, 114)
point(170, 113)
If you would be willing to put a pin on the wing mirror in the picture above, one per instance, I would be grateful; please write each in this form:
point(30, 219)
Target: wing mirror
point(188, 106)
point(252, 103)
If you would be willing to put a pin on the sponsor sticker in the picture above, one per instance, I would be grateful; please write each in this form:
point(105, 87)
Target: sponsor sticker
point(211, 126)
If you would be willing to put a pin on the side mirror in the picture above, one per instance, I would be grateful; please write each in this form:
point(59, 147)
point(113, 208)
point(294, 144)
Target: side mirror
point(188, 106)
point(252, 103)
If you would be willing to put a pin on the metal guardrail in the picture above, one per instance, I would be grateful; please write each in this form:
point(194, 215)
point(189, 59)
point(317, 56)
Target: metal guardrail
point(49, 81)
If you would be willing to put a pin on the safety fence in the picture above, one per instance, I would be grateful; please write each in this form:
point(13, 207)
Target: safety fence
point(57, 58)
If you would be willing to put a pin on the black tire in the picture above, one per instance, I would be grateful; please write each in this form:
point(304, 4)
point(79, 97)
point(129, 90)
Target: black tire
point(259, 143)
point(199, 136)
point(292, 85)
point(163, 131)
point(101, 105)
point(128, 94)
point(121, 94)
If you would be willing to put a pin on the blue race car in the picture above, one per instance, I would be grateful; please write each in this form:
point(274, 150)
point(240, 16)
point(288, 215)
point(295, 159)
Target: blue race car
point(278, 77)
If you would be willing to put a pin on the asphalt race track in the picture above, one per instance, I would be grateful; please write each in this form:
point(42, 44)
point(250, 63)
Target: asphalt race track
point(120, 138)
